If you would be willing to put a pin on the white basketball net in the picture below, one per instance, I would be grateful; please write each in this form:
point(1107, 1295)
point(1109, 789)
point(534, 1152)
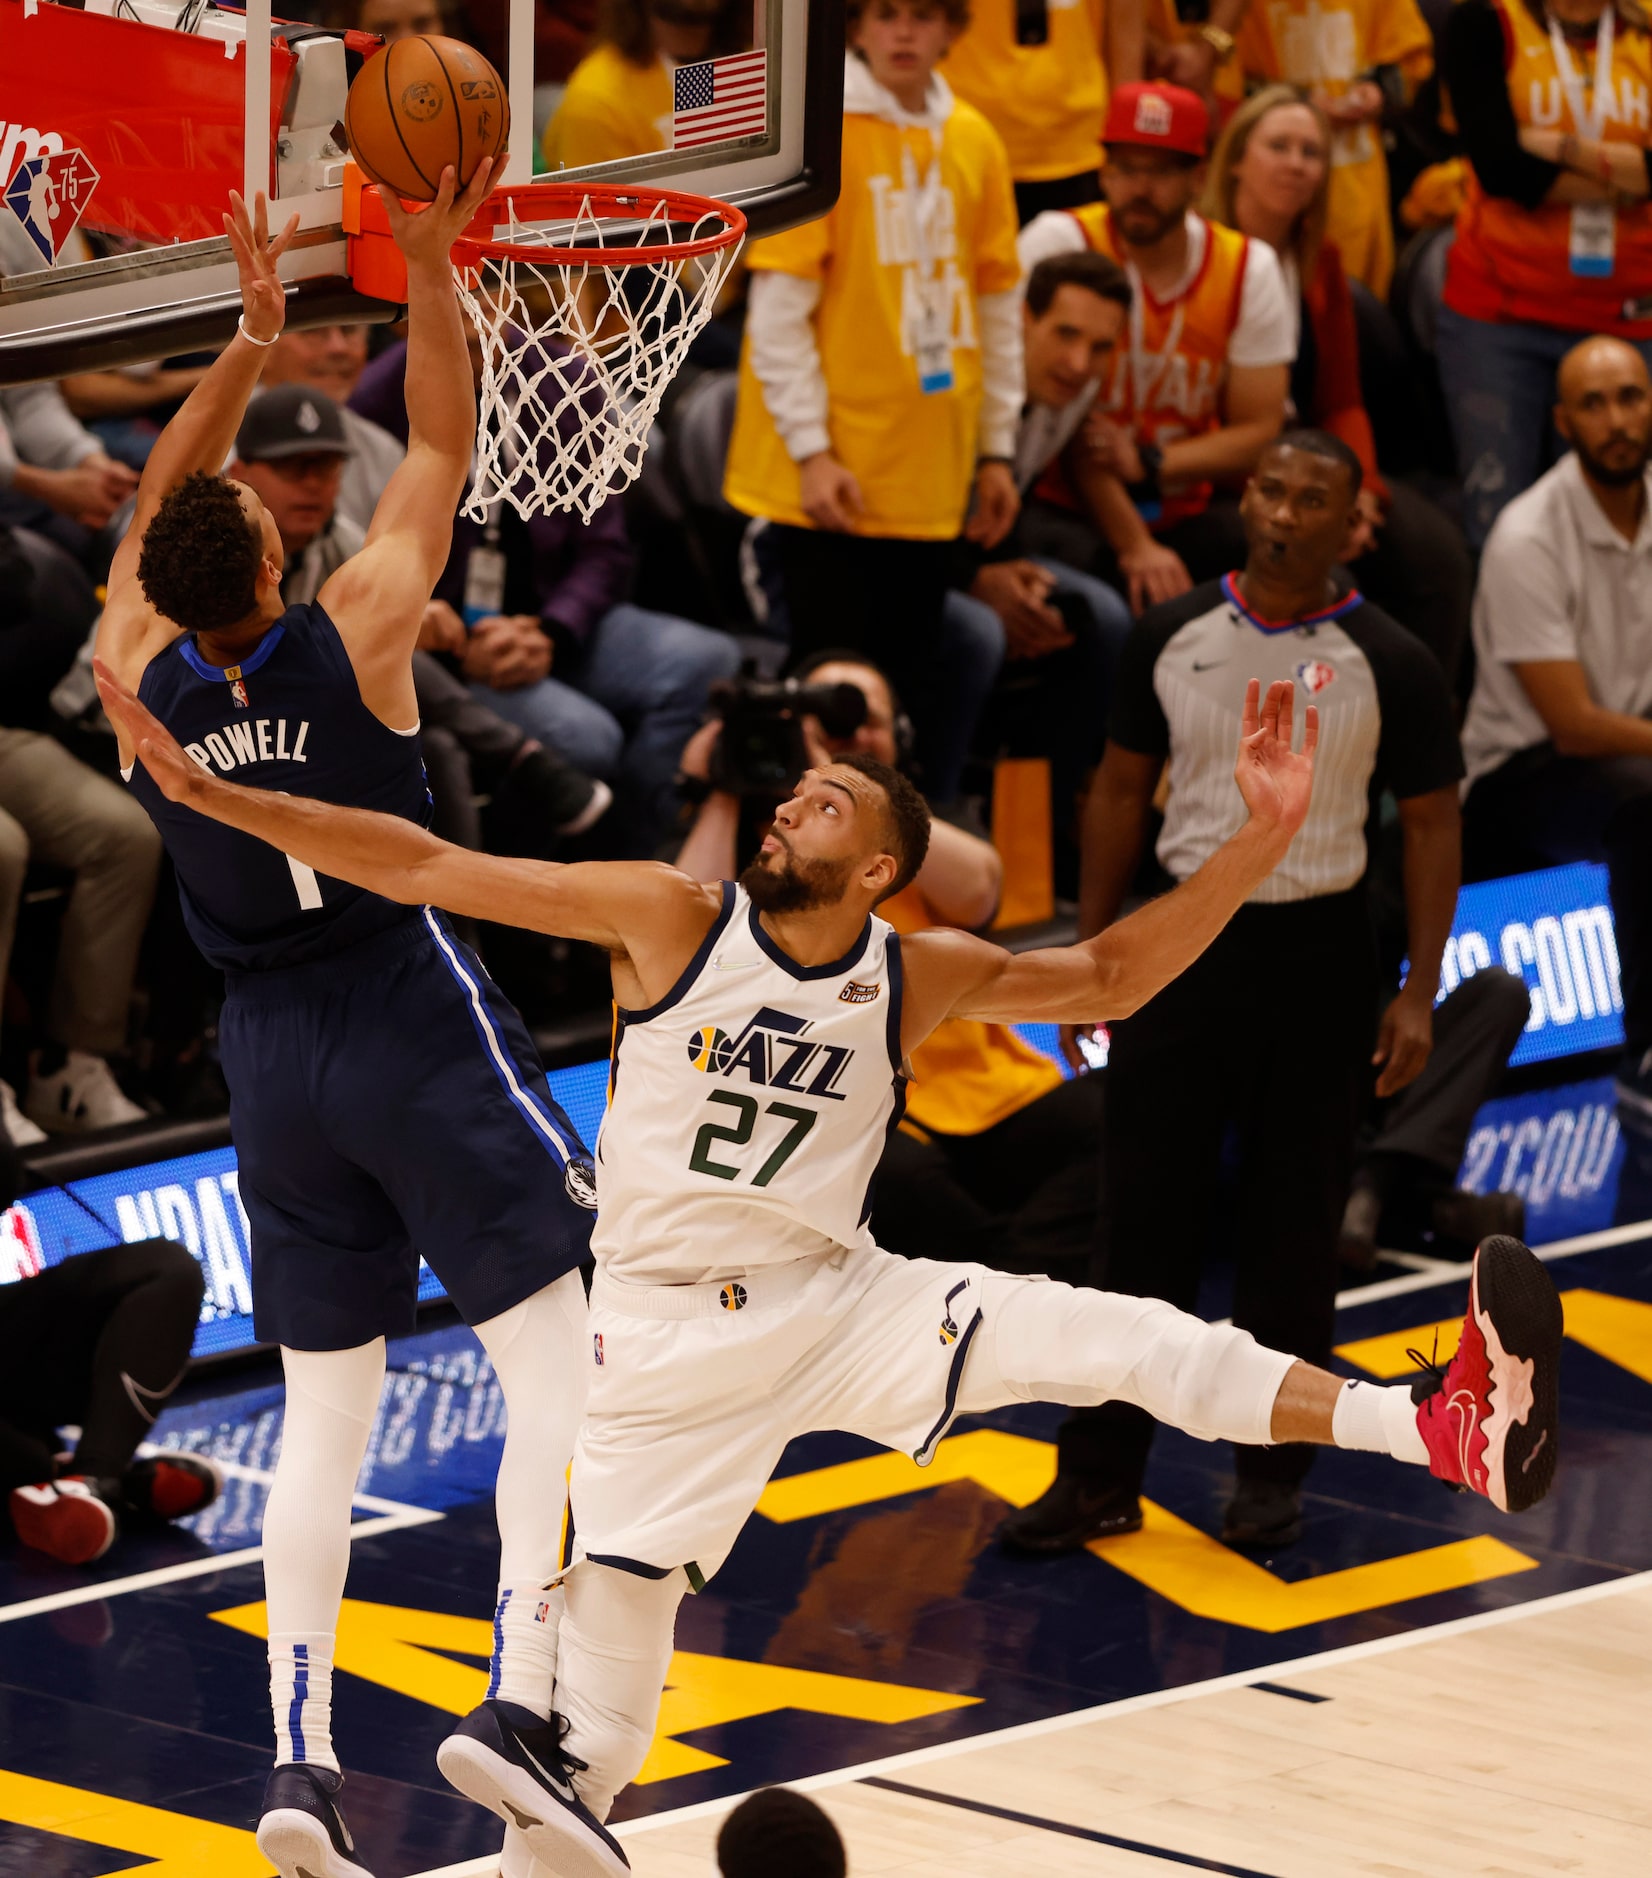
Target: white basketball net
point(576, 356)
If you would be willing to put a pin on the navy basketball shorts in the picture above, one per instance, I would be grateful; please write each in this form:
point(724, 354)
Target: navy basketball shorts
point(387, 1103)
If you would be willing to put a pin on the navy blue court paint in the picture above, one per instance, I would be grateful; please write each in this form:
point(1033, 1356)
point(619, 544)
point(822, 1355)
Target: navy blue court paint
point(140, 1695)
point(1296, 1695)
point(1072, 1832)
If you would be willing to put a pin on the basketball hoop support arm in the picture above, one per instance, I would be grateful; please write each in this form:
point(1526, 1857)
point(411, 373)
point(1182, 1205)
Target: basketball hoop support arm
point(255, 130)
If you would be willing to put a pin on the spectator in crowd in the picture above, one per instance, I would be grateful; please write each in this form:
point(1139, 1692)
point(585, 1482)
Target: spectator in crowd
point(331, 359)
point(1295, 1084)
point(1060, 629)
point(400, 19)
point(997, 1153)
point(1190, 43)
point(880, 379)
point(1555, 238)
point(1039, 76)
point(291, 450)
point(1559, 731)
point(53, 808)
point(619, 100)
point(1361, 61)
point(629, 686)
point(776, 1831)
point(1271, 178)
point(56, 478)
point(99, 1341)
point(1200, 388)
point(125, 408)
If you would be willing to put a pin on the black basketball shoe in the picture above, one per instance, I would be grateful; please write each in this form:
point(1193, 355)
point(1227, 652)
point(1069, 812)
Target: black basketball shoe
point(301, 1830)
point(1067, 1516)
point(505, 1758)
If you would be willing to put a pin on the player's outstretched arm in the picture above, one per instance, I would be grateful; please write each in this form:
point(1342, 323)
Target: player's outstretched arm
point(1116, 972)
point(202, 433)
point(377, 599)
point(645, 910)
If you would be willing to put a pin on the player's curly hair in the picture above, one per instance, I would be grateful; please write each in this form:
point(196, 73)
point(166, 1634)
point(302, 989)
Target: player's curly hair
point(908, 817)
point(198, 566)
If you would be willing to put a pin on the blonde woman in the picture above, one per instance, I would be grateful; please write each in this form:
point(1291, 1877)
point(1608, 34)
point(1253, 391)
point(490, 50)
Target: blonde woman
point(1270, 179)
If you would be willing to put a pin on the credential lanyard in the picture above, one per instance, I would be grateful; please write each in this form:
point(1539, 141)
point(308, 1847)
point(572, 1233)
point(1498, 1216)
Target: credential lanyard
point(1590, 118)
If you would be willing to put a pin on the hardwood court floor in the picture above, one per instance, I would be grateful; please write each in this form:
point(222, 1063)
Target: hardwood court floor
point(1519, 1749)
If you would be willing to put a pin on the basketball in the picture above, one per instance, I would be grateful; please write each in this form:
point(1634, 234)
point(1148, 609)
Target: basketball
point(418, 105)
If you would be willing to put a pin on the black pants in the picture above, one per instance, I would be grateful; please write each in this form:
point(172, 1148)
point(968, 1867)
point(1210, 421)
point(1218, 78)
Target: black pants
point(1056, 192)
point(1211, 543)
point(74, 1338)
point(1540, 809)
point(883, 598)
point(1020, 1196)
point(1270, 1032)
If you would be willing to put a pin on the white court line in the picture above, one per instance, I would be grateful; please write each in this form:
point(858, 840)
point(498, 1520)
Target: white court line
point(1107, 1711)
point(1442, 1271)
point(390, 1516)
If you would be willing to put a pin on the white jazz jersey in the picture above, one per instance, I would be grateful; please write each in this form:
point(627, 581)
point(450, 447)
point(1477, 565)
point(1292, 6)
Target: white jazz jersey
point(749, 1107)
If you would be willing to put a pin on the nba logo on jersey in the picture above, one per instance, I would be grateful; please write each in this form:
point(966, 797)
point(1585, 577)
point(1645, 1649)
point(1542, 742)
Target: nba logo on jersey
point(596, 1347)
point(734, 1297)
point(1313, 675)
point(237, 686)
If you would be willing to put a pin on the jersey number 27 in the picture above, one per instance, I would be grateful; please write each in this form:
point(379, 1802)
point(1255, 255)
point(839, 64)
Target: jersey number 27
point(738, 1132)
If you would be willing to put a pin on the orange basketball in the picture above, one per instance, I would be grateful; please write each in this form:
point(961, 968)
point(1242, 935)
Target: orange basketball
point(422, 103)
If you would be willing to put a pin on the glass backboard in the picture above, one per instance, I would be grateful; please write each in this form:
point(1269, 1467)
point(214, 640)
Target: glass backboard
point(123, 127)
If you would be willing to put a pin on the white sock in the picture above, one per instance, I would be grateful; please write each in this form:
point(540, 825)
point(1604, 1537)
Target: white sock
point(301, 1690)
point(526, 1620)
point(1380, 1420)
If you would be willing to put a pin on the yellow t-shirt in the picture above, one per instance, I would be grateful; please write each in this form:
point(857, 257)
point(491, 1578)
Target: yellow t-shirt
point(611, 108)
point(912, 452)
point(967, 1076)
point(1046, 102)
point(1315, 43)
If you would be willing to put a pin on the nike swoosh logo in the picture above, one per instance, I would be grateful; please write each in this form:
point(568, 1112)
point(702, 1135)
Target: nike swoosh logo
point(558, 1786)
point(1210, 665)
point(734, 965)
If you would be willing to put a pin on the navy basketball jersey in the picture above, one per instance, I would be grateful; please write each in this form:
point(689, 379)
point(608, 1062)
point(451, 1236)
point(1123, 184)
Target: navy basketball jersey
point(289, 718)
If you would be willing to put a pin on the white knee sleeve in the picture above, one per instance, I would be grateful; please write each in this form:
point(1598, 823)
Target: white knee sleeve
point(612, 1663)
point(1044, 1342)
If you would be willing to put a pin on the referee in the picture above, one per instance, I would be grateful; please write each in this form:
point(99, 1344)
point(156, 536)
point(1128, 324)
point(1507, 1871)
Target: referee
point(1271, 1031)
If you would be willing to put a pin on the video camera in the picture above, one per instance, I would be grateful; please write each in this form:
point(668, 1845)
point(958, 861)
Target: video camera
point(761, 751)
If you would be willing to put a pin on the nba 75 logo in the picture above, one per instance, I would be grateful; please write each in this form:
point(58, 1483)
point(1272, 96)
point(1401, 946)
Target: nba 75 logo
point(773, 1052)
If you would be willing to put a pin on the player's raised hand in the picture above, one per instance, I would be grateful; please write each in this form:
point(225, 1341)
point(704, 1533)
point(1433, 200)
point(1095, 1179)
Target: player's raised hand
point(426, 236)
point(176, 773)
point(1275, 781)
point(263, 299)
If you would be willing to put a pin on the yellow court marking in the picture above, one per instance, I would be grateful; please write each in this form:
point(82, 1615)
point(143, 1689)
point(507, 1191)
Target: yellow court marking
point(168, 1845)
point(1168, 1556)
point(396, 1648)
point(1620, 1329)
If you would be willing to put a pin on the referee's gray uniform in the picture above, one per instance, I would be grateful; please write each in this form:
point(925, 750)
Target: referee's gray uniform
point(1271, 1030)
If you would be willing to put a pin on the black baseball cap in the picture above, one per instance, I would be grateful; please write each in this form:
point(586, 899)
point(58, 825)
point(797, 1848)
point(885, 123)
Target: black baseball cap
point(291, 420)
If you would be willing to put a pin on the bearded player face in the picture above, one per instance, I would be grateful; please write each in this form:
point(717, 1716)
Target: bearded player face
point(822, 835)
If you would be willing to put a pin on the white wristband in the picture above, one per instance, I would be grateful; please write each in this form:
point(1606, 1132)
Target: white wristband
point(241, 325)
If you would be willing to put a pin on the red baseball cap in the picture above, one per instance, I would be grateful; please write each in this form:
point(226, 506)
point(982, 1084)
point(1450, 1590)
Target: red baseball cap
point(1159, 117)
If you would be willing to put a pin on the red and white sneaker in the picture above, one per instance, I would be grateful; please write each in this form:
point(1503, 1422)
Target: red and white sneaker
point(1491, 1421)
point(171, 1486)
point(66, 1519)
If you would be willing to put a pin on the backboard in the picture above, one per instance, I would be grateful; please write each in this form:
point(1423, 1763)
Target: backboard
point(124, 125)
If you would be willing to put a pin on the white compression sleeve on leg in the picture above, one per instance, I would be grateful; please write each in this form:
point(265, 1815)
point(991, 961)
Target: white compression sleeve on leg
point(1043, 1342)
point(615, 1652)
point(332, 1399)
point(1379, 1419)
point(541, 1355)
